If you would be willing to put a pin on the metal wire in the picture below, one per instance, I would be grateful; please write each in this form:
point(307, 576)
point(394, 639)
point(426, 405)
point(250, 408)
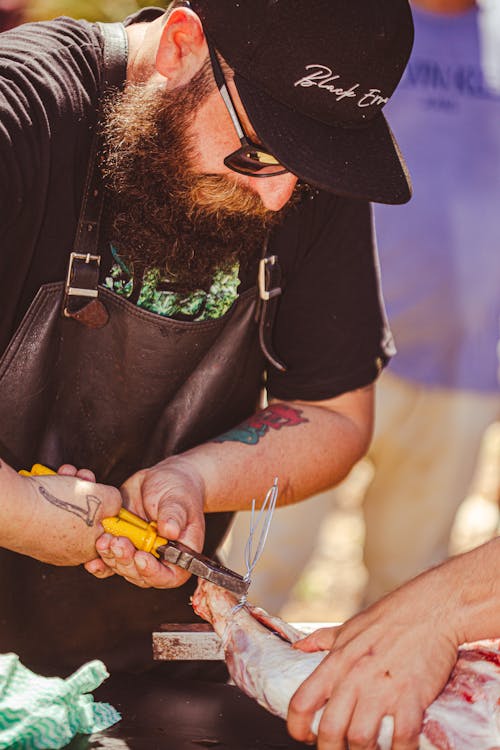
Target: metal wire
point(259, 528)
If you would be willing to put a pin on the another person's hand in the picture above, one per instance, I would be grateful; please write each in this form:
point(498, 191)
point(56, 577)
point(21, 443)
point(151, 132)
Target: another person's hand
point(393, 659)
point(65, 517)
point(172, 494)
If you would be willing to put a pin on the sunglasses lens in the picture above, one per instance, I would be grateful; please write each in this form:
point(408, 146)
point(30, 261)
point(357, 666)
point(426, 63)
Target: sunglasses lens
point(254, 161)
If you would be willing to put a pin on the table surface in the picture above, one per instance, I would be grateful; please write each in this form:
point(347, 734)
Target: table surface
point(184, 714)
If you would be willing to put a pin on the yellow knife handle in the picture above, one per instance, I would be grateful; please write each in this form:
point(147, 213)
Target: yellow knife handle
point(142, 534)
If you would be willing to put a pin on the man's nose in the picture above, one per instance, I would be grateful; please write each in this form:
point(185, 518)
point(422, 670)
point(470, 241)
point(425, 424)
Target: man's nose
point(274, 192)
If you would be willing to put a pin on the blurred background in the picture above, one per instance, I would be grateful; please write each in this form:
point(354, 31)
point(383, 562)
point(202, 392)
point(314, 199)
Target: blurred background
point(332, 584)
point(13, 12)
point(92, 10)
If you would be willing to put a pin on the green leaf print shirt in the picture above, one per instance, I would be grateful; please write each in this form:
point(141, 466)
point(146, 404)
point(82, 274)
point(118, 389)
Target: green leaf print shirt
point(196, 306)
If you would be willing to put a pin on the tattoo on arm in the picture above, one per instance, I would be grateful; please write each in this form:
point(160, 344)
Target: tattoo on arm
point(275, 417)
point(87, 514)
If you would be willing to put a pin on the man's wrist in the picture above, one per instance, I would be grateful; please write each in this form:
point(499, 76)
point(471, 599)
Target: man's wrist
point(17, 507)
point(476, 576)
point(189, 465)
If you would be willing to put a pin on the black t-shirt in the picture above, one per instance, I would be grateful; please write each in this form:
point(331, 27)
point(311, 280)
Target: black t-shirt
point(330, 327)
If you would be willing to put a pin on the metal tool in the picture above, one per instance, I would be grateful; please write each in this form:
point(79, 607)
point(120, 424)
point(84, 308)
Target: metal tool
point(144, 536)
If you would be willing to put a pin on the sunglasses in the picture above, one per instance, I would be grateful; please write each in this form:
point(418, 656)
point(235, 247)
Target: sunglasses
point(250, 158)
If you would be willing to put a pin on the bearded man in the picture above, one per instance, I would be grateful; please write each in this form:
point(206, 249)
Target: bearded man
point(151, 173)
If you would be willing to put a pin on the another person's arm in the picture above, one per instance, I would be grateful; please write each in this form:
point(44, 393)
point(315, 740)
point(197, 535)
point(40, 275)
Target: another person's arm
point(55, 519)
point(395, 657)
point(308, 446)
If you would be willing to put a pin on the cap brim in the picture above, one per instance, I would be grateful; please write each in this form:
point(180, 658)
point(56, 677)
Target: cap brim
point(360, 162)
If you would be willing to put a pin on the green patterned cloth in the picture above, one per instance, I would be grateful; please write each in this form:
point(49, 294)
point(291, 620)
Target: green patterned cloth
point(199, 305)
point(47, 712)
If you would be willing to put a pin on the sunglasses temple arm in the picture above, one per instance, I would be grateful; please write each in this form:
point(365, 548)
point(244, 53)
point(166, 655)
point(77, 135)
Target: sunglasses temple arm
point(224, 92)
point(232, 111)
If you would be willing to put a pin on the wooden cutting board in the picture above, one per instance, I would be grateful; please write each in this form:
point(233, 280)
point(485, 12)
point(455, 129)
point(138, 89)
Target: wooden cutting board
point(199, 642)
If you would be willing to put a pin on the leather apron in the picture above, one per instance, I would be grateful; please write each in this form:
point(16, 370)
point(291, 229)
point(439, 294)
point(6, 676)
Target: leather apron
point(112, 399)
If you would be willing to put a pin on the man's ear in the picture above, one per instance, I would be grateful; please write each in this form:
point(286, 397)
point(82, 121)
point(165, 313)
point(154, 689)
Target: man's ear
point(182, 48)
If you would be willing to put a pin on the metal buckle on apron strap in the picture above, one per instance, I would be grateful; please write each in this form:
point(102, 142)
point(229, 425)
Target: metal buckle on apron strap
point(82, 281)
point(92, 262)
point(269, 274)
point(269, 283)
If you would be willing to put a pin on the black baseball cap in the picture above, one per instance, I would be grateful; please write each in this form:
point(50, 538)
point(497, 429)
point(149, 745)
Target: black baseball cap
point(313, 76)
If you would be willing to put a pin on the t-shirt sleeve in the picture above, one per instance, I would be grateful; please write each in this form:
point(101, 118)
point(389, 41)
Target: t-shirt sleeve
point(49, 83)
point(46, 70)
point(331, 329)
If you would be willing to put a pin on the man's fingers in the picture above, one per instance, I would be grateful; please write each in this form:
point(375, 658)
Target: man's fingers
point(320, 640)
point(307, 700)
point(179, 520)
point(68, 470)
point(98, 568)
point(86, 474)
point(407, 726)
point(139, 568)
point(364, 726)
point(112, 549)
point(397, 724)
point(147, 572)
point(335, 721)
point(119, 553)
point(172, 517)
point(171, 527)
point(159, 575)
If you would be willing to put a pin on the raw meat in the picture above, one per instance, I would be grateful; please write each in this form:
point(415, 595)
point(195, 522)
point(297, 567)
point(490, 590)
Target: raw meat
point(259, 657)
point(466, 714)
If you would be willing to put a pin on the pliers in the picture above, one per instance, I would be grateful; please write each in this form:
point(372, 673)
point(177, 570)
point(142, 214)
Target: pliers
point(144, 536)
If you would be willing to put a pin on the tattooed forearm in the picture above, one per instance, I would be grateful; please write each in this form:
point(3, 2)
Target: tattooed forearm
point(275, 417)
point(87, 514)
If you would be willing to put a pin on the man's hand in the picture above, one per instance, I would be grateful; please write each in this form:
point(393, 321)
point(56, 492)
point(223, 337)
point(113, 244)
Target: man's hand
point(171, 493)
point(393, 659)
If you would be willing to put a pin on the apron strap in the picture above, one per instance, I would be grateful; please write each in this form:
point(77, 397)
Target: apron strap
point(82, 279)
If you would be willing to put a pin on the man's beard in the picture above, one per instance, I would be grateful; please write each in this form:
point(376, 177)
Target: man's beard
point(159, 213)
